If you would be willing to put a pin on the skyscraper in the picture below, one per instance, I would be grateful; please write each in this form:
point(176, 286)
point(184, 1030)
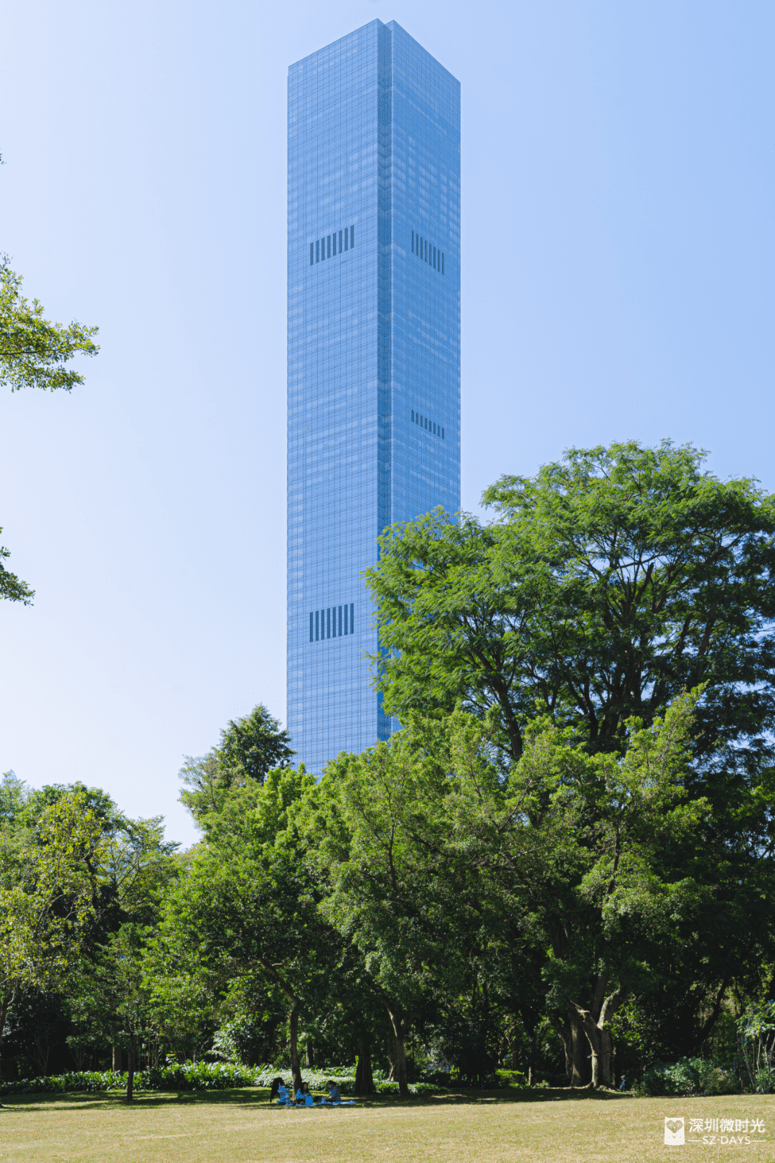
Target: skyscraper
point(373, 353)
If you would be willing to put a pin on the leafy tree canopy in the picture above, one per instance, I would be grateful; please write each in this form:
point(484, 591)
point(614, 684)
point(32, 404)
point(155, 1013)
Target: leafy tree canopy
point(12, 588)
point(605, 586)
point(33, 352)
point(250, 747)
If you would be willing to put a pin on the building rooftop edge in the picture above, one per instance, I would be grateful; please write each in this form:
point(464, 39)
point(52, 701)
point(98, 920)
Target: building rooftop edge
point(391, 24)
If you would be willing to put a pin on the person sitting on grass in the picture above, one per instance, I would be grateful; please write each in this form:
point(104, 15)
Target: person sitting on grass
point(334, 1093)
point(303, 1096)
point(277, 1088)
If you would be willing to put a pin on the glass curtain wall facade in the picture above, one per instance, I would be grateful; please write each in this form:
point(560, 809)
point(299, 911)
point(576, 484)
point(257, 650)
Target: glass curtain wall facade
point(373, 353)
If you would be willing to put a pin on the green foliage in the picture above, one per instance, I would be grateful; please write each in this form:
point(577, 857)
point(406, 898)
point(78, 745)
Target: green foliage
point(253, 746)
point(250, 747)
point(12, 798)
point(12, 588)
point(344, 1077)
point(689, 1076)
point(367, 820)
point(189, 1076)
point(756, 1046)
point(79, 885)
point(193, 1076)
point(45, 914)
point(90, 1081)
point(248, 904)
point(607, 584)
point(33, 352)
point(582, 868)
point(568, 845)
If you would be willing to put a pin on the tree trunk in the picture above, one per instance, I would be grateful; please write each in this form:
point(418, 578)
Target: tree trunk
point(309, 1054)
point(600, 1043)
point(116, 1057)
point(531, 1054)
point(400, 1026)
point(4, 1007)
point(576, 1049)
point(294, 1046)
point(599, 1036)
point(713, 1016)
point(39, 1052)
point(364, 1080)
point(130, 1073)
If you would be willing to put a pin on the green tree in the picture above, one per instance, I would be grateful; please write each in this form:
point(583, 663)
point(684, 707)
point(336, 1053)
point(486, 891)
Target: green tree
point(605, 586)
point(248, 903)
point(616, 865)
point(12, 588)
point(378, 832)
point(250, 747)
point(33, 352)
point(116, 994)
point(121, 877)
point(584, 875)
point(47, 898)
point(137, 869)
point(253, 746)
point(593, 850)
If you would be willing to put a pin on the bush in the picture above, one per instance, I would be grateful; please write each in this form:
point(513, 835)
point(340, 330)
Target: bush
point(188, 1076)
point(199, 1076)
point(756, 1046)
point(88, 1080)
point(344, 1076)
point(688, 1076)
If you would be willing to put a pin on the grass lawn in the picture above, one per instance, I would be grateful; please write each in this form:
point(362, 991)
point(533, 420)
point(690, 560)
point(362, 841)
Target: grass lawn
point(238, 1126)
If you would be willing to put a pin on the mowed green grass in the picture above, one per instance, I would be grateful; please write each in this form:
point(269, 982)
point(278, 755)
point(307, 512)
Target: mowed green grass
point(240, 1127)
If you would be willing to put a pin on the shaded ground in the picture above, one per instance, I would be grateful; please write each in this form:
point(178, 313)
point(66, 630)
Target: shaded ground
point(238, 1126)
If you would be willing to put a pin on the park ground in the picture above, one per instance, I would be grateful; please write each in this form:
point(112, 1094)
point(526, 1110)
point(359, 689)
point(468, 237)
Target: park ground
point(239, 1126)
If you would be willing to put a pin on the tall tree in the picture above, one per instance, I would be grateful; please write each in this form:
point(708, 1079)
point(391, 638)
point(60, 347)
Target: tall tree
point(248, 903)
point(584, 873)
point(378, 826)
point(105, 872)
point(47, 897)
point(605, 586)
point(250, 747)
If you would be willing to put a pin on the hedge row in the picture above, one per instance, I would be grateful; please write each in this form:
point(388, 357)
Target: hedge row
point(197, 1076)
point(190, 1076)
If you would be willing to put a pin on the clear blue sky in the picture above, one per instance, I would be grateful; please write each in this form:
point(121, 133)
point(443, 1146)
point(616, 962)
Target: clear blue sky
point(618, 273)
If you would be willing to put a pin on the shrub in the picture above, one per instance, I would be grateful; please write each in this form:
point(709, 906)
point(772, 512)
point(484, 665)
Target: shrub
point(188, 1076)
point(199, 1076)
point(756, 1046)
point(344, 1076)
point(688, 1076)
